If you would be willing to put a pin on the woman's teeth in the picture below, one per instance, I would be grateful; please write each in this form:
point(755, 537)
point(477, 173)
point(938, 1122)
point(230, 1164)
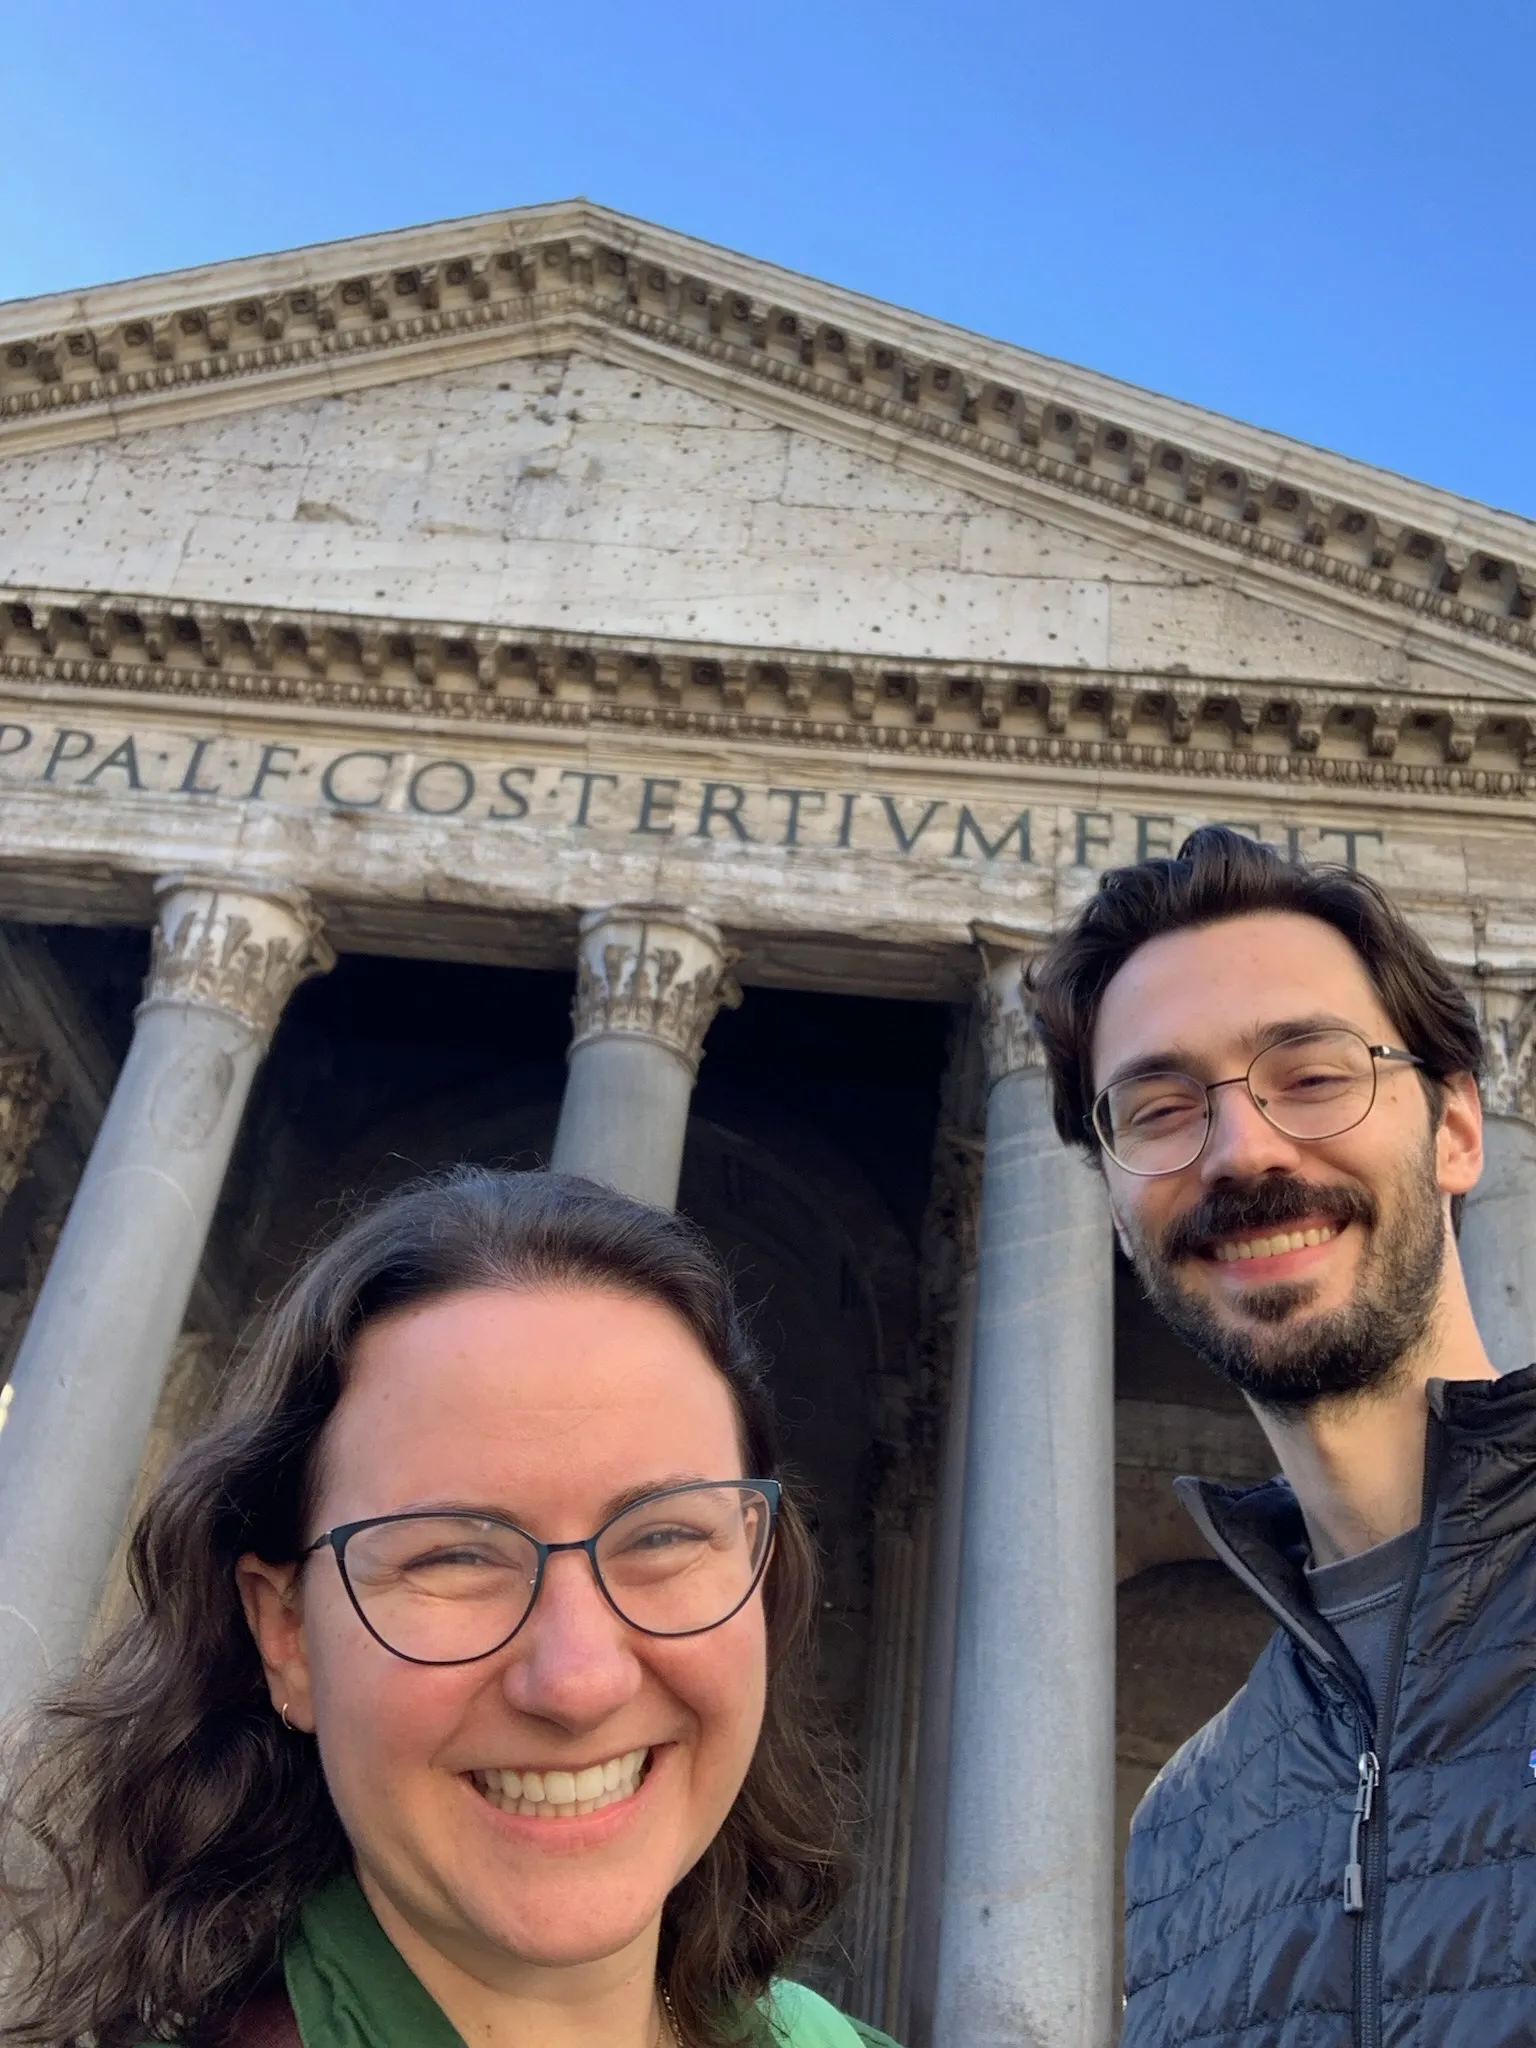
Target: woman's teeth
point(1271, 1247)
point(561, 1795)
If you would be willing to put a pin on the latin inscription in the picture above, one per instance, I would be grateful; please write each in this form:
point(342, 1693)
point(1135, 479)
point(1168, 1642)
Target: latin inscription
point(492, 791)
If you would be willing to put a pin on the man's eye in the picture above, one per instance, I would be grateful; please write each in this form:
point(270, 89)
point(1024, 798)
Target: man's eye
point(1159, 1110)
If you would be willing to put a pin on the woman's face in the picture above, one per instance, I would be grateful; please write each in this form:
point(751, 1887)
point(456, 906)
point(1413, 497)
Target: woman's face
point(549, 1409)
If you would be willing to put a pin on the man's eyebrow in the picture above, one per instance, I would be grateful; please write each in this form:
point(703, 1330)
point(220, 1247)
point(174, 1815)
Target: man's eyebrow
point(1179, 1060)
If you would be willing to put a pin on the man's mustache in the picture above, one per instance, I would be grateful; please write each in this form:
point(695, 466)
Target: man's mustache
point(1267, 1204)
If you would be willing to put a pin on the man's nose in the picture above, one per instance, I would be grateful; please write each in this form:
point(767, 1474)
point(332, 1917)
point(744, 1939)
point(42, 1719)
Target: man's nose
point(574, 1660)
point(1243, 1143)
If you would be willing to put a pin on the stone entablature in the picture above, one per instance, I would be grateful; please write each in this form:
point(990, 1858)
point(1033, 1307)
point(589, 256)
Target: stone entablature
point(548, 279)
point(1348, 738)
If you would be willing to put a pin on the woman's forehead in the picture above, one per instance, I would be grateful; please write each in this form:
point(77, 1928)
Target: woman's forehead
point(500, 1389)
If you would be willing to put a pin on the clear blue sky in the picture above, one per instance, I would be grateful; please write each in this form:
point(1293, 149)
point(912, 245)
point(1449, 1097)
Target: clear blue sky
point(1315, 216)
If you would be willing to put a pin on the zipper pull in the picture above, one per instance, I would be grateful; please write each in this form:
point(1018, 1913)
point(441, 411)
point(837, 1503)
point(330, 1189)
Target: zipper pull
point(1369, 1772)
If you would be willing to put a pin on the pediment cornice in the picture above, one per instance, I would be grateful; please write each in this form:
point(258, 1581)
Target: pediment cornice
point(371, 310)
point(423, 673)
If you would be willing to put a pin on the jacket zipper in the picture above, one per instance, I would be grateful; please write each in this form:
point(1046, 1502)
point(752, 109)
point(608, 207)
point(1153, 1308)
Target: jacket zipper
point(1365, 1876)
point(1368, 1767)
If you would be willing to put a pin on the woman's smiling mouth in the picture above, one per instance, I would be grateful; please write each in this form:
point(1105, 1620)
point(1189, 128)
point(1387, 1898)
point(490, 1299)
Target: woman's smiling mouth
point(560, 1794)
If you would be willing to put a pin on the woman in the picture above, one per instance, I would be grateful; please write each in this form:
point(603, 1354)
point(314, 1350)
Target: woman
point(461, 1705)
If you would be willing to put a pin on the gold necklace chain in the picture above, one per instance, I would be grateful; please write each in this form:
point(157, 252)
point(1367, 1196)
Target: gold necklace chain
point(669, 2019)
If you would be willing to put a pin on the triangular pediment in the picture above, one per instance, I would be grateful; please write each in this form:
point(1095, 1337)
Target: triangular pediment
point(566, 418)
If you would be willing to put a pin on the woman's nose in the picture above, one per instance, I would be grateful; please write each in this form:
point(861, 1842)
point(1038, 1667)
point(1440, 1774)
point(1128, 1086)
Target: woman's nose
point(574, 1660)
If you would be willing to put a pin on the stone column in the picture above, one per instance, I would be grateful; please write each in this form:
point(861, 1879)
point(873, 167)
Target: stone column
point(1026, 1941)
point(1498, 1224)
point(648, 984)
point(949, 1252)
point(226, 956)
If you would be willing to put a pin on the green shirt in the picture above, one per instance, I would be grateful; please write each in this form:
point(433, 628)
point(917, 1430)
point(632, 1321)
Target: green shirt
point(352, 1988)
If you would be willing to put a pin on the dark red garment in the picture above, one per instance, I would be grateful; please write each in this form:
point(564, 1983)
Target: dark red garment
point(267, 2021)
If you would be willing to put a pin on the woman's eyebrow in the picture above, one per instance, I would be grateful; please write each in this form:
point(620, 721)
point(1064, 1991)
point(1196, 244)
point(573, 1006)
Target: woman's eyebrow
point(614, 1505)
point(631, 1494)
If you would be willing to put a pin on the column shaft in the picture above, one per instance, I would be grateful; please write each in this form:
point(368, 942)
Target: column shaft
point(89, 1371)
point(624, 1117)
point(1026, 1942)
point(1498, 1224)
point(1498, 1243)
point(648, 984)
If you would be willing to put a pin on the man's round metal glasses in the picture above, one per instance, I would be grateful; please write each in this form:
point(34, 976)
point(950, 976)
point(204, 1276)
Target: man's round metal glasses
point(452, 1588)
point(1317, 1084)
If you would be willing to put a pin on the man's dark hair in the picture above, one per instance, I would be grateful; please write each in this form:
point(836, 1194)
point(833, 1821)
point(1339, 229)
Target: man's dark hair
point(1216, 874)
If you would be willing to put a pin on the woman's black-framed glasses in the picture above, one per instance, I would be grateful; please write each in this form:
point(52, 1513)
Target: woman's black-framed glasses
point(451, 1588)
point(1317, 1084)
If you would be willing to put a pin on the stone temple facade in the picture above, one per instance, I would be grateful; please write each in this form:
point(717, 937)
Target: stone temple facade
point(538, 686)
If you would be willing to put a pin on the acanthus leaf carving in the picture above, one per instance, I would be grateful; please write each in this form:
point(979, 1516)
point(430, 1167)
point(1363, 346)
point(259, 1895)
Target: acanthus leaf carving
point(242, 947)
point(1506, 1009)
point(658, 974)
point(27, 1093)
point(1009, 1041)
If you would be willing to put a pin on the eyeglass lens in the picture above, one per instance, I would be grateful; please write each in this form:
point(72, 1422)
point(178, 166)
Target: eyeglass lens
point(1315, 1086)
point(446, 1589)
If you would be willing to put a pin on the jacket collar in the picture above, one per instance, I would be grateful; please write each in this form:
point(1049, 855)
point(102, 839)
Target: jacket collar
point(1484, 1485)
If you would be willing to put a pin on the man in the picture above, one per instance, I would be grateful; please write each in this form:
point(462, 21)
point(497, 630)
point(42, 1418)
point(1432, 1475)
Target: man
point(1278, 1080)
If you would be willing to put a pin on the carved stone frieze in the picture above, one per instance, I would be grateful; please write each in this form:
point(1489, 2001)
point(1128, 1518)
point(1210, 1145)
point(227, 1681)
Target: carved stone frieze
point(651, 973)
point(27, 1093)
point(1339, 738)
point(1506, 1010)
point(239, 946)
point(1008, 1039)
point(562, 275)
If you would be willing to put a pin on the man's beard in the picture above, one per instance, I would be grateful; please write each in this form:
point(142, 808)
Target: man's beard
point(1349, 1350)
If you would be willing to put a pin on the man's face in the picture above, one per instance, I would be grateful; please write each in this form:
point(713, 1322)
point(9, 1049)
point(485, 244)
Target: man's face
point(1300, 1269)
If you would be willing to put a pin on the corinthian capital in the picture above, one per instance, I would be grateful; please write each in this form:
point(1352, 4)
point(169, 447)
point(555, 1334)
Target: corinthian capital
point(1008, 1040)
point(240, 946)
point(651, 973)
point(27, 1093)
point(1506, 1010)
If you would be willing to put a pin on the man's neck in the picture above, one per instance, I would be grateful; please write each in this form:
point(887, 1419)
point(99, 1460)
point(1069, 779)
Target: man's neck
point(1356, 1464)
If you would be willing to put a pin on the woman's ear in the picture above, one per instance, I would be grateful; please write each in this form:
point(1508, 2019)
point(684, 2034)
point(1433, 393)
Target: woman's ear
point(272, 1596)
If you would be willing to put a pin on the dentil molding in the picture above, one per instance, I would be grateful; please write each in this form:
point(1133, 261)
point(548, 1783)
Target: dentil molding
point(494, 676)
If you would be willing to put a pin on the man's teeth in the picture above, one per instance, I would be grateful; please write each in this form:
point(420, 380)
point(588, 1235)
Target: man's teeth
point(561, 1795)
point(1271, 1247)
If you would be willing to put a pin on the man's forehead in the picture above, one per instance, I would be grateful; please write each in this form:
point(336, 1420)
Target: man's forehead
point(1219, 989)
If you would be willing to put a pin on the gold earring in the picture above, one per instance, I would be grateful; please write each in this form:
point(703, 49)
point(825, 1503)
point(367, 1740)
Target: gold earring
point(283, 1716)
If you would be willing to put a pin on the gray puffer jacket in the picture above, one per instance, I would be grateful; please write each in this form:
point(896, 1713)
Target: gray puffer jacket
point(1311, 1872)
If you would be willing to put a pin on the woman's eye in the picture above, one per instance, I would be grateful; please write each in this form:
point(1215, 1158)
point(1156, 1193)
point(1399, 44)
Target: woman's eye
point(667, 1538)
point(449, 1558)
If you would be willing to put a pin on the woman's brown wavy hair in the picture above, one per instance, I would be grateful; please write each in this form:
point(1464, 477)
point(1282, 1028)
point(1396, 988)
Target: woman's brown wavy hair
point(161, 1828)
